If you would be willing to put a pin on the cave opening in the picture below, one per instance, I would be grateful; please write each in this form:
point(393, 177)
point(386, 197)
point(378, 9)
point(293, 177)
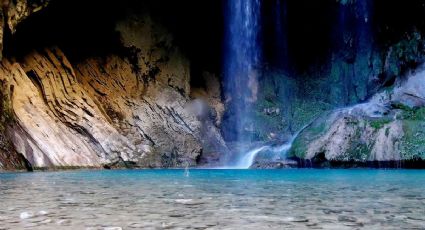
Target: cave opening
point(84, 29)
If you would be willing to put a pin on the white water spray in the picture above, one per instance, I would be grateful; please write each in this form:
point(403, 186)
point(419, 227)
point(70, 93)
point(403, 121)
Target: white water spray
point(186, 170)
point(248, 159)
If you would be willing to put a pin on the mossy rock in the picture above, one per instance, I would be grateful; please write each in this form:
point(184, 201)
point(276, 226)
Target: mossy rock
point(313, 131)
point(413, 143)
point(379, 123)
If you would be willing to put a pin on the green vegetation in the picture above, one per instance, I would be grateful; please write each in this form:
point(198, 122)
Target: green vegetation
point(360, 148)
point(299, 148)
point(286, 104)
point(413, 114)
point(413, 143)
point(360, 151)
point(407, 51)
point(380, 123)
point(311, 133)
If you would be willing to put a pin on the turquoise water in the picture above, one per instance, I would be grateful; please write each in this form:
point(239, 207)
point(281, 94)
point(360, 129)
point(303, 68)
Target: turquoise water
point(214, 199)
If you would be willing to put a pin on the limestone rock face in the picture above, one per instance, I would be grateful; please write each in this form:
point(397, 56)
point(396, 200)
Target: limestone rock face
point(152, 117)
point(38, 90)
point(209, 109)
point(387, 128)
point(9, 158)
point(117, 110)
point(97, 113)
point(412, 92)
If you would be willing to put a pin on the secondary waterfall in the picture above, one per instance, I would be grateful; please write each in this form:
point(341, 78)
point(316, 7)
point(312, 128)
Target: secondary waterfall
point(248, 159)
point(242, 57)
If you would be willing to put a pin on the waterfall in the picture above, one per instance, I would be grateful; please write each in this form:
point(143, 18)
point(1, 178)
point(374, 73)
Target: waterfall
point(281, 150)
point(248, 159)
point(242, 56)
point(241, 59)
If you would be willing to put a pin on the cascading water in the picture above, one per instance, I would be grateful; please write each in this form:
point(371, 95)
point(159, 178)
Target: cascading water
point(242, 57)
point(248, 159)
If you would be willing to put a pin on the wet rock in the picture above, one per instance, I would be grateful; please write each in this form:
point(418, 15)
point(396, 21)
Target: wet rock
point(270, 164)
point(63, 222)
point(380, 130)
point(331, 211)
point(411, 92)
point(347, 219)
point(299, 219)
point(42, 213)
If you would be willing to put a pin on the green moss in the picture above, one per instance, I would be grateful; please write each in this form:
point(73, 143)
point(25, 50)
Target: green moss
point(360, 149)
point(380, 123)
point(267, 124)
point(411, 113)
point(361, 152)
point(318, 128)
point(298, 149)
point(413, 142)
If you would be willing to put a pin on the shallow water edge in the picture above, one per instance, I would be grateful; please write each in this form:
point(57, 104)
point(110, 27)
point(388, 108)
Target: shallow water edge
point(213, 199)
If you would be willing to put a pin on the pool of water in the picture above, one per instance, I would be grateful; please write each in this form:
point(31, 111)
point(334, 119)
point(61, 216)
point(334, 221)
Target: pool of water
point(214, 199)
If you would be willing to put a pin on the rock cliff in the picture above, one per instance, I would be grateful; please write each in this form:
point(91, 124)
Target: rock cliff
point(388, 128)
point(109, 111)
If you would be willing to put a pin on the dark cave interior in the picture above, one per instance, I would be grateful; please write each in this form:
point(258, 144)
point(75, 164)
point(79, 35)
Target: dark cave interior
point(87, 28)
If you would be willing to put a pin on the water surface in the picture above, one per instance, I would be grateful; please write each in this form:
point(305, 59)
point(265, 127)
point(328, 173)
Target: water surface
point(214, 199)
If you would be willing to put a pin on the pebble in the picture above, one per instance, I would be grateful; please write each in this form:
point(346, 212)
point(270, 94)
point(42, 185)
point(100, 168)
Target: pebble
point(42, 213)
point(183, 201)
point(26, 215)
point(63, 222)
point(347, 219)
point(300, 219)
point(136, 225)
point(295, 219)
point(353, 224)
